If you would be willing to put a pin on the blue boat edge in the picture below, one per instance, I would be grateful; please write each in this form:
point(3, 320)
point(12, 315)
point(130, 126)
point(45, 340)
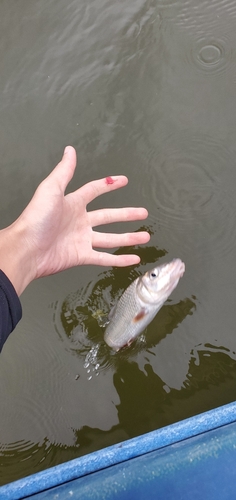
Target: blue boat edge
point(150, 445)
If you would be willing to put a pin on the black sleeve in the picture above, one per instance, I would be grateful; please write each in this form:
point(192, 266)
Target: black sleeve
point(10, 308)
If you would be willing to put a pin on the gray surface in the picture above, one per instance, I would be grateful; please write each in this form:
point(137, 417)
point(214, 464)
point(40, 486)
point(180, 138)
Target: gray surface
point(146, 89)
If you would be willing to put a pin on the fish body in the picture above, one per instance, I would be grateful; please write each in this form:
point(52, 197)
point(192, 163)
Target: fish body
point(140, 303)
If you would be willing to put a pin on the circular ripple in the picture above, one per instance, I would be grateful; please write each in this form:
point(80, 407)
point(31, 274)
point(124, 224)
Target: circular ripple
point(211, 56)
point(208, 49)
point(190, 187)
point(185, 188)
point(24, 457)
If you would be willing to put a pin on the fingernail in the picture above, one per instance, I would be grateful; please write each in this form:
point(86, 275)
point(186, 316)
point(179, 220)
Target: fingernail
point(66, 150)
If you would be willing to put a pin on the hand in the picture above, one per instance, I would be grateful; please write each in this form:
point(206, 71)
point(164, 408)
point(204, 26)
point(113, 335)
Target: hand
point(55, 231)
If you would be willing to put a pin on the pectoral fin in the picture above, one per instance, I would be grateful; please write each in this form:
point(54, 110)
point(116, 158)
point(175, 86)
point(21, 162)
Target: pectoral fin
point(111, 313)
point(141, 314)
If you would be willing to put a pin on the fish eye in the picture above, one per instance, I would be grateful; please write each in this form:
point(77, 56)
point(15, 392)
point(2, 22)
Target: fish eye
point(153, 274)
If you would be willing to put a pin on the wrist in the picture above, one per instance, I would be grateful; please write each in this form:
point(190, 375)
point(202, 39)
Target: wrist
point(16, 259)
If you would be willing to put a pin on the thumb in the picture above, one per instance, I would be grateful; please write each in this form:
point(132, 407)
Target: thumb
point(64, 171)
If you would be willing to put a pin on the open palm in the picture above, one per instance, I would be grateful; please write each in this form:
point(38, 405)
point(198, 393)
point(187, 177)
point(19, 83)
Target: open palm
point(60, 229)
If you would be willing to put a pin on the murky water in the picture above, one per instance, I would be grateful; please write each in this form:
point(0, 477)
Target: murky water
point(147, 89)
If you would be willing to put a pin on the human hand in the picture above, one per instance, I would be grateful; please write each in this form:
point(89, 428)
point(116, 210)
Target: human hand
point(55, 231)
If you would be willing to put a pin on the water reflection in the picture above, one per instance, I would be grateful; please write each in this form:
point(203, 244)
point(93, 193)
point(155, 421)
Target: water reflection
point(147, 404)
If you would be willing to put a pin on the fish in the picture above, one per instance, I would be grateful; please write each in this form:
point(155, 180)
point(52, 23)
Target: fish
point(140, 303)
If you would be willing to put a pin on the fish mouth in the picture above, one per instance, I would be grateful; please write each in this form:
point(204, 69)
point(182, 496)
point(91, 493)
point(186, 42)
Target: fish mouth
point(177, 268)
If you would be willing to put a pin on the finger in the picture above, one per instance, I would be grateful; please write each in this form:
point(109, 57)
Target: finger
point(110, 215)
point(107, 259)
point(92, 189)
point(64, 171)
point(108, 240)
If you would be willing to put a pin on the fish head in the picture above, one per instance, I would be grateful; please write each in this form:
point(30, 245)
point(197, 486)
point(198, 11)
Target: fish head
point(159, 282)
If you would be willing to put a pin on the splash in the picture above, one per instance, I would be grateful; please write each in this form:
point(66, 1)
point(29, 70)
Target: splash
point(91, 364)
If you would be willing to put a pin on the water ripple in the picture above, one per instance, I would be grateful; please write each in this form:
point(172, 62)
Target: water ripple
point(187, 185)
point(213, 56)
point(15, 458)
point(210, 27)
point(207, 14)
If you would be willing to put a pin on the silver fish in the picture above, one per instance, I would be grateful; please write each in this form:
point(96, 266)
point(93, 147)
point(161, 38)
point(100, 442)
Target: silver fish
point(140, 303)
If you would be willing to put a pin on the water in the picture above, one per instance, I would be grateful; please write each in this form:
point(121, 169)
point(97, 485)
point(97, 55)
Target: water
point(146, 89)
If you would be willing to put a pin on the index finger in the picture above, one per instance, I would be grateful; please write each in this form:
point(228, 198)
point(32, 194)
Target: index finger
point(93, 189)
